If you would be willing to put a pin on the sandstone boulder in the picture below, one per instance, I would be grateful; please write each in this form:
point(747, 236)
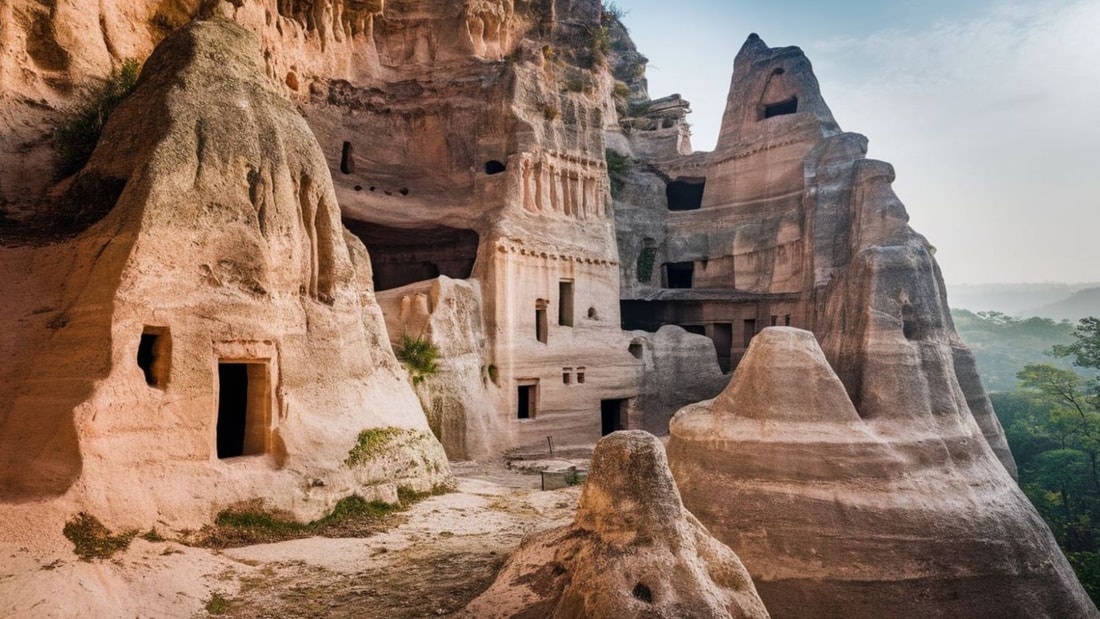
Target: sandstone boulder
point(837, 514)
point(632, 551)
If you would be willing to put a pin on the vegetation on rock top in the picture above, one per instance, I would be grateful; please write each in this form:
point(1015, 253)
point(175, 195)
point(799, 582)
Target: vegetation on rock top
point(76, 135)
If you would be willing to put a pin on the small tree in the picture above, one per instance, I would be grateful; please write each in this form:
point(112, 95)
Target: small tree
point(1086, 350)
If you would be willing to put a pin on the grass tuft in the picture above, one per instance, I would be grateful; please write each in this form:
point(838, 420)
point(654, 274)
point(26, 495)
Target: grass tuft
point(78, 132)
point(92, 540)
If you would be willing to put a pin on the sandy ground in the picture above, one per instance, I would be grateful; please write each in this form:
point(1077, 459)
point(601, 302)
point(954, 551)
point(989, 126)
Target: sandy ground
point(444, 551)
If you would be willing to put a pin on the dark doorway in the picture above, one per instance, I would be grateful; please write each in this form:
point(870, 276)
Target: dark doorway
point(723, 343)
point(611, 416)
point(790, 106)
point(750, 330)
point(679, 274)
point(242, 395)
point(494, 167)
point(696, 329)
point(526, 400)
point(565, 303)
point(685, 193)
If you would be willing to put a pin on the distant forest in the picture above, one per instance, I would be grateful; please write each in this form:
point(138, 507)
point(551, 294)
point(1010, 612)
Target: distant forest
point(1004, 344)
point(1045, 390)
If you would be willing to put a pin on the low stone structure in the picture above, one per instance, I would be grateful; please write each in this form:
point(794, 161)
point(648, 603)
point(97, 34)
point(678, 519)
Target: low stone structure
point(632, 551)
point(838, 513)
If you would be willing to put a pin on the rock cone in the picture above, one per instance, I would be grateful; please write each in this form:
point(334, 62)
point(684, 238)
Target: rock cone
point(632, 551)
point(838, 516)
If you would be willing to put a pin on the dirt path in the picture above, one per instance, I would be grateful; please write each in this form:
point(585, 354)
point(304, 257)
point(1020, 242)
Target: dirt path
point(446, 552)
point(442, 553)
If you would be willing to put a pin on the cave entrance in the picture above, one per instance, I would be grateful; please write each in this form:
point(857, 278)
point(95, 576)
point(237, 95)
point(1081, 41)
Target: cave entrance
point(788, 106)
point(611, 416)
point(401, 256)
point(685, 193)
point(679, 274)
point(243, 408)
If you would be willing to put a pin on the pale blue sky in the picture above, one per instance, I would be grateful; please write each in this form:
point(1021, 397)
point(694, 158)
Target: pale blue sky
point(988, 109)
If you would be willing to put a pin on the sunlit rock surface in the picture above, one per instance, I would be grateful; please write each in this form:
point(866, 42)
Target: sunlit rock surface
point(840, 514)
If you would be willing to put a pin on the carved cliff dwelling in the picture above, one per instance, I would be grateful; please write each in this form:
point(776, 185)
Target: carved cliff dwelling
point(297, 189)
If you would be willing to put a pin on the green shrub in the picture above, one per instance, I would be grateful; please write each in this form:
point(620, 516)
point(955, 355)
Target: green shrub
point(78, 132)
point(419, 357)
point(612, 11)
point(617, 167)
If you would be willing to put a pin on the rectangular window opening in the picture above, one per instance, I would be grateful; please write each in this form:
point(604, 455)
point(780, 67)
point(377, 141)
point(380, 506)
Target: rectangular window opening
point(244, 408)
point(565, 303)
point(679, 274)
point(153, 355)
point(541, 326)
point(580, 376)
point(790, 106)
point(566, 375)
point(786, 320)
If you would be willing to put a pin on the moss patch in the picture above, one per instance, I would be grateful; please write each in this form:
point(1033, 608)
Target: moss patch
point(92, 540)
point(217, 604)
point(372, 443)
point(419, 356)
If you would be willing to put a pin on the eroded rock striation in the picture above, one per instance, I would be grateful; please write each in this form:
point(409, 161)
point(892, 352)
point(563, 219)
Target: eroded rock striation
point(632, 551)
point(840, 514)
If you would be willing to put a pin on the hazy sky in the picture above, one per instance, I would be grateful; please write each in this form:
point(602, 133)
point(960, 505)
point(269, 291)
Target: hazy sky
point(988, 109)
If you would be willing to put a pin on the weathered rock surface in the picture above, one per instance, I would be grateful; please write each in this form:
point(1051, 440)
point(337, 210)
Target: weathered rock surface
point(208, 340)
point(632, 551)
point(837, 513)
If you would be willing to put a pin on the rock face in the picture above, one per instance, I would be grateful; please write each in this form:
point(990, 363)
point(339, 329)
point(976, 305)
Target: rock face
point(787, 223)
point(210, 334)
point(632, 551)
point(837, 513)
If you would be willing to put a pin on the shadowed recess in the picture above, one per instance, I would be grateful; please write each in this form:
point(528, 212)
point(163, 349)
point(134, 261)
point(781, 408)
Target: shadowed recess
point(402, 256)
